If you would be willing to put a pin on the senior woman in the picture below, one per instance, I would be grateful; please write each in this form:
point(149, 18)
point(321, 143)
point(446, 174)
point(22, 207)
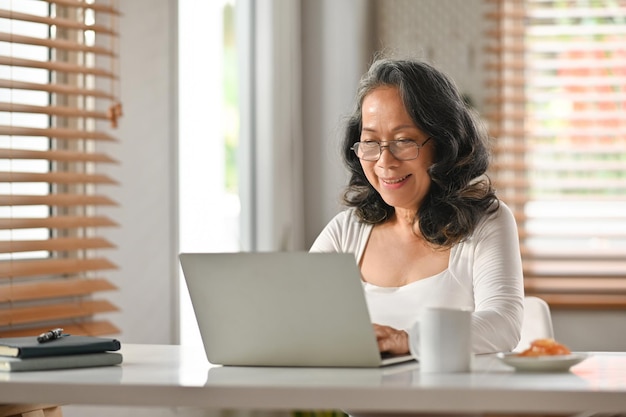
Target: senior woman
point(422, 218)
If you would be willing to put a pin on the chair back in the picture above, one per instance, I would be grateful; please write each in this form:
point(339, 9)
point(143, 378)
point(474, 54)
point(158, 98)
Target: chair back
point(537, 322)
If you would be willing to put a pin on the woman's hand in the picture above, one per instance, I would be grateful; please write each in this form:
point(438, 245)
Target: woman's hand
point(391, 340)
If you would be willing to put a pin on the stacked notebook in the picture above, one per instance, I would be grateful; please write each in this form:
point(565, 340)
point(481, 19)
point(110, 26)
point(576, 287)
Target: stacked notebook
point(28, 354)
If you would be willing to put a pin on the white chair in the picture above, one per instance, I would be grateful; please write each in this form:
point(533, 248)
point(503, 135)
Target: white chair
point(537, 322)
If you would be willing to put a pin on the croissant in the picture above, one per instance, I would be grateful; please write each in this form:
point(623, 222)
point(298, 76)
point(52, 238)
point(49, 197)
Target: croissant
point(542, 347)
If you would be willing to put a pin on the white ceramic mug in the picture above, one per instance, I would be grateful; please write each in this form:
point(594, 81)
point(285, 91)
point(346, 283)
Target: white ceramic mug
point(445, 340)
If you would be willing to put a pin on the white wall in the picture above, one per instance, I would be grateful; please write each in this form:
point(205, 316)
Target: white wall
point(146, 238)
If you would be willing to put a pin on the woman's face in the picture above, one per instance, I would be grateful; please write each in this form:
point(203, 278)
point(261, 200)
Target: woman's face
point(401, 184)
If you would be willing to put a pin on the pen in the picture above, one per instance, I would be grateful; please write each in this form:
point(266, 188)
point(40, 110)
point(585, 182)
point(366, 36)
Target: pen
point(51, 335)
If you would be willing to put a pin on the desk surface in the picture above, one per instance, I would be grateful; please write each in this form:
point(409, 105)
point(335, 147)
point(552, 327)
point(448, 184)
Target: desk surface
point(159, 375)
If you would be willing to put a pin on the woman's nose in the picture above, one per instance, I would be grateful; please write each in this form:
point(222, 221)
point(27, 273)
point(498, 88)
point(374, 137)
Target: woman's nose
point(386, 157)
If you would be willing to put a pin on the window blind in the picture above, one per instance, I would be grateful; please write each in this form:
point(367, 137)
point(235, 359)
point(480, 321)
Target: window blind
point(58, 99)
point(556, 108)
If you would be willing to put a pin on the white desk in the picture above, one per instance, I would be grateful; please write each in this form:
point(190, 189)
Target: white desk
point(157, 375)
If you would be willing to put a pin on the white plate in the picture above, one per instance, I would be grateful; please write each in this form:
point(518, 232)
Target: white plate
point(554, 363)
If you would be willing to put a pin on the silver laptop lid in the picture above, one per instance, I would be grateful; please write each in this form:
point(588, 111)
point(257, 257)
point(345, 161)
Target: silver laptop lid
point(281, 309)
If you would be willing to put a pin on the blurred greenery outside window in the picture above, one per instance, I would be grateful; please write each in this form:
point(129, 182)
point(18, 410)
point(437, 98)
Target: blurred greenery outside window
point(231, 110)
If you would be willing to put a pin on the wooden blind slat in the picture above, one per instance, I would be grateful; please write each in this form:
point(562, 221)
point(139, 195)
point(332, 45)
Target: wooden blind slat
point(577, 12)
point(517, 132)
point(589, 115)
point(574, 216)
point(513, 13)
point(585, 285)
point(56, 178)
point(498, 49)
point(574, 268)
point(574, 183)
point(521, 147)
point(81, 4)
point(550, 81)
point(57, 222)
point(555, 167)
point(505, 33)
point(54, 244)
point(52, 312)
point(55, 21)
point(58, 133)
point(55, 66)
point(583, 132)
point(574, 63)
point(575, 30)
point(578, 233)
point(582, 45)
point(56, 155)
point(575, 254)
point(53, 289)
point(54, 43)
point(514, 197)
point(583, 301)
point(516, 65)
point(531, 252)
point(31, 268)
point(83, 327)
point(508, 96)
point(61, 200)
point(56, 89)
point(52, 111)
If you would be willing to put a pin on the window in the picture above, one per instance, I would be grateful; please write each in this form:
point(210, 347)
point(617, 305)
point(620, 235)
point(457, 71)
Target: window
point(208, 132)
point(557, 112)
point(58, 85)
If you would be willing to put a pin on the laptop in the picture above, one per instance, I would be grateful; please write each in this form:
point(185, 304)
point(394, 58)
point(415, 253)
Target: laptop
point(282, 309)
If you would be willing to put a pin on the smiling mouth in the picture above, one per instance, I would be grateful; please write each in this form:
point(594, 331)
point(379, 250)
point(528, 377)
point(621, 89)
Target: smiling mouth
point(395, 180)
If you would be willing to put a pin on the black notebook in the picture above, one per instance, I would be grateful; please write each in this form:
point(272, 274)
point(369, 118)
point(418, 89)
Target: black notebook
point(29, 347)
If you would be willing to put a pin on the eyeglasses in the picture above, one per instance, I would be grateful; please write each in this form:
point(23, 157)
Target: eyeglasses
point(401, 149)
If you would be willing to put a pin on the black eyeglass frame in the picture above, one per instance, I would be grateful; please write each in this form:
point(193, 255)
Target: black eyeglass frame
point(355, 148)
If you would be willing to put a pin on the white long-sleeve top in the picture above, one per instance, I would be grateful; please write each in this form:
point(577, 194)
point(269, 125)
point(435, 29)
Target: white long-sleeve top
point(484, 275)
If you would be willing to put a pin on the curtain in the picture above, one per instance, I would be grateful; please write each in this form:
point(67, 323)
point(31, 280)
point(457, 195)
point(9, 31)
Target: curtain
point(557, 112)
point(270, 163)
point(58, 98)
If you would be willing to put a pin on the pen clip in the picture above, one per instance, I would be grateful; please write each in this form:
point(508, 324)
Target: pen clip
point(50, 335)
